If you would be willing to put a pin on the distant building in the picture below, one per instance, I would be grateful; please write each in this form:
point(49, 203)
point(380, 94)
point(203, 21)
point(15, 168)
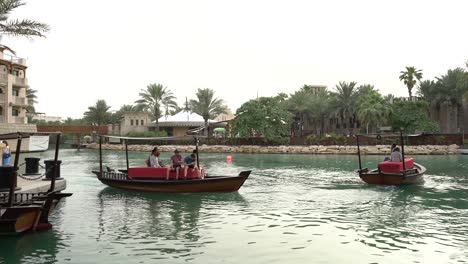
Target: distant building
point(13, 100)
point(45, 118)
point(134, 122)
point(225, 117)
point(180, 123)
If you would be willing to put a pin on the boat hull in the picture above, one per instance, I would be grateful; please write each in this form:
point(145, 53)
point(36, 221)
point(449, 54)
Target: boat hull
point(413, 176)
point(19, 219)
point(208, 184)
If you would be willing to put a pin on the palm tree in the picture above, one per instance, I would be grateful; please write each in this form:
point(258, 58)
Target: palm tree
point(32, 99)
point(154, 98)
point(25, 27)
point(452, 87)
point(319, 108)
point(344, 101)
point(410, 77)
point(208, 106)
point(99, 113)
point(373, 109)
point(298, 104)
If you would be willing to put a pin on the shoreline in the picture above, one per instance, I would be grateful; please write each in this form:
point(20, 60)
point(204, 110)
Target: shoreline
point(313, 149)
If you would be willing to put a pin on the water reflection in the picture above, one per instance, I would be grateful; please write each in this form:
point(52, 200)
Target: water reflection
point(157, 224)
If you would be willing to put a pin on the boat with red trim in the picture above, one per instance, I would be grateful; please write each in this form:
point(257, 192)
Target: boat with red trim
point(149, 179)
point(392, 172)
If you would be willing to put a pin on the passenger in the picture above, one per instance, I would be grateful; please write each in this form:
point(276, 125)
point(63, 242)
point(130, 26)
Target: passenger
point(392, 148)
point(6, 154)
point(154, 159)
point(396, 155)
point(190, 162)
point(176, 164)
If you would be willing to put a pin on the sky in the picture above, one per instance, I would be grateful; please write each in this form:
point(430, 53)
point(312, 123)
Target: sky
point(113, 49)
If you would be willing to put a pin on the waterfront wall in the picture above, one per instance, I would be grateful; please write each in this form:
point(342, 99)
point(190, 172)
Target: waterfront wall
point(313, 149)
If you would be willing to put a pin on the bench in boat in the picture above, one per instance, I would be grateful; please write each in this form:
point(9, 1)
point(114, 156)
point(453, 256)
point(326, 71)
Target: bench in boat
point(395, 166)
point(160, 173)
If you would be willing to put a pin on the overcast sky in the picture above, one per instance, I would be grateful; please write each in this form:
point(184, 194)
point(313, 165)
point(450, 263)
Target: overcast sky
point(111, 49)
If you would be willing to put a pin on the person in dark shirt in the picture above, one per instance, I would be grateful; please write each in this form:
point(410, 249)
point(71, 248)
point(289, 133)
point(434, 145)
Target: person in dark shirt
point(190, 162)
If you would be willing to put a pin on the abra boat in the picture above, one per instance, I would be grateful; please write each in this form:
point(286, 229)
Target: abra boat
point(154, 179)
point(21, 212)
point(392, 173)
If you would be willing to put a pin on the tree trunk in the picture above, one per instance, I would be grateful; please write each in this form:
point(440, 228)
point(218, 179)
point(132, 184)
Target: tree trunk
point(367, 128)
point(206, 127)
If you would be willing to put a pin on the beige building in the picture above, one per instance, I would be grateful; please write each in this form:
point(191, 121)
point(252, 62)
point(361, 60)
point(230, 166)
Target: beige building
point(13, 101)
point(134, 122)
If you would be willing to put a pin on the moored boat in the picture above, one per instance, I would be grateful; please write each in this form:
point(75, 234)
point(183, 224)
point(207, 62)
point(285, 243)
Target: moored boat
point(148, 179)
point(392, 172)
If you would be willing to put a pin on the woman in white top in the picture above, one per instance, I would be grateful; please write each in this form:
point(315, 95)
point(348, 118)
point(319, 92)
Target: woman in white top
point(396, 155)
point(6, 154)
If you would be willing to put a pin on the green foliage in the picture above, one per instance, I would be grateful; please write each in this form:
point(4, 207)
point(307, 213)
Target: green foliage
point(409, 77)
point(411, 117)
point(372, 109)
point(312, 139)
point(207, 105)
point(330, 139)
point(98, 114)
point(147, 134)
point(25, 27)
point(156, 99)
point(266, 115)
point(280, 140)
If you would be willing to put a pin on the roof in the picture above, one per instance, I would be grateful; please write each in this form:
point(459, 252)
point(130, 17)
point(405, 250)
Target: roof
point(182, 119)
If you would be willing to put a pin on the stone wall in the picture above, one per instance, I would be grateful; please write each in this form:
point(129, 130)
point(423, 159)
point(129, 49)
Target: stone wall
point(12, 128)
point(365, 150)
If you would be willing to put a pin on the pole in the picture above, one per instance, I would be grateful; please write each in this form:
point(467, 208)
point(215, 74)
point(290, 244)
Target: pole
point(196, 149)
point(14, 173)
point(52, 181)
point(100, 154)
point(126, 152)
point(402, 142)
point(358, 152)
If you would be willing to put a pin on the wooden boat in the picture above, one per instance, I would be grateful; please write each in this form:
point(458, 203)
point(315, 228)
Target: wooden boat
point(21, 212)
point(154, 179)
point(392, 173)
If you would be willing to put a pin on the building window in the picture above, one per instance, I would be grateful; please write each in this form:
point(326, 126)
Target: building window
point(1, 90)
point(142, 123)
point(15, 92)
point(15, 112)
point(136, 122)
point(131, 122)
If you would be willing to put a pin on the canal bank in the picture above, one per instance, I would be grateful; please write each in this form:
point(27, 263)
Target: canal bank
point(312, 149)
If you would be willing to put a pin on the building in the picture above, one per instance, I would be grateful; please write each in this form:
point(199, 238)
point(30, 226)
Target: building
point(46, 118)
point(134, 122)
point(180, 123)
point(13, 100)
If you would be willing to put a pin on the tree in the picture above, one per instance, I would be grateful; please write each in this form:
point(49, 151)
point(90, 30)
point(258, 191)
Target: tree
point(372, 109)
point(412, 116)
point(117, 116)
point(299, 104)
point(451, 89)
point(266, 115)
point(99, 113)
point(410, 77)
point(208, 106)
point(319, 108)
point(25, 27)
point(154, 98)
point(32, 99)
point(344, 103)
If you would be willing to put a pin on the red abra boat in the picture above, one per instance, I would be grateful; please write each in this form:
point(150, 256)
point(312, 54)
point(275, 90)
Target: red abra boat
point(392, 173)
point(149, 179)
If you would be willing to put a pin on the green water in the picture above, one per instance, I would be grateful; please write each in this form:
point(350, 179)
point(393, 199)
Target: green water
point(293, 209)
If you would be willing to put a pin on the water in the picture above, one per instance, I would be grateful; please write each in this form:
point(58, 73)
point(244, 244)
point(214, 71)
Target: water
point(293, 209)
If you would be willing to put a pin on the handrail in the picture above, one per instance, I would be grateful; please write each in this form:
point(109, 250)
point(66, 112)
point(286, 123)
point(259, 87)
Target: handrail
point(152, 138)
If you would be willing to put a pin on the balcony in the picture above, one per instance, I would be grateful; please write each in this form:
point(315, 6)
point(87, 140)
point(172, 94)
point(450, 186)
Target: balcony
point(19, 100)
point(14, 59)
point(18, 81)
point(19, 119)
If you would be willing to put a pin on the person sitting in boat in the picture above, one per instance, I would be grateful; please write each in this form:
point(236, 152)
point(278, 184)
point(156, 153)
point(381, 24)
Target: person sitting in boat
point(396, 155)
point(392, 148)
point(6, 154)
point(154, 159)
point(190, 162)
point(176, 164)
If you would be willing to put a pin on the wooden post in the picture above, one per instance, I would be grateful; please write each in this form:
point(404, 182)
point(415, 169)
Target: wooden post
point(359, 153)
point(126, 152)
point(13, 175)
point(100, 154)
point(402, 141)
point(52, 181)
point(196, 149)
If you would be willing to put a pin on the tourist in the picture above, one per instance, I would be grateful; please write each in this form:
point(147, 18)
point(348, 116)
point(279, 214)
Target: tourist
point(6, 154)
point(154, 159)
point(176, 164)
point(396, 155)
point(392, 148)
point(190, 162)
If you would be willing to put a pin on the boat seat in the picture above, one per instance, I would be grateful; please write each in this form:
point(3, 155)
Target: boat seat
point(160, 173)
point(396, 166)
